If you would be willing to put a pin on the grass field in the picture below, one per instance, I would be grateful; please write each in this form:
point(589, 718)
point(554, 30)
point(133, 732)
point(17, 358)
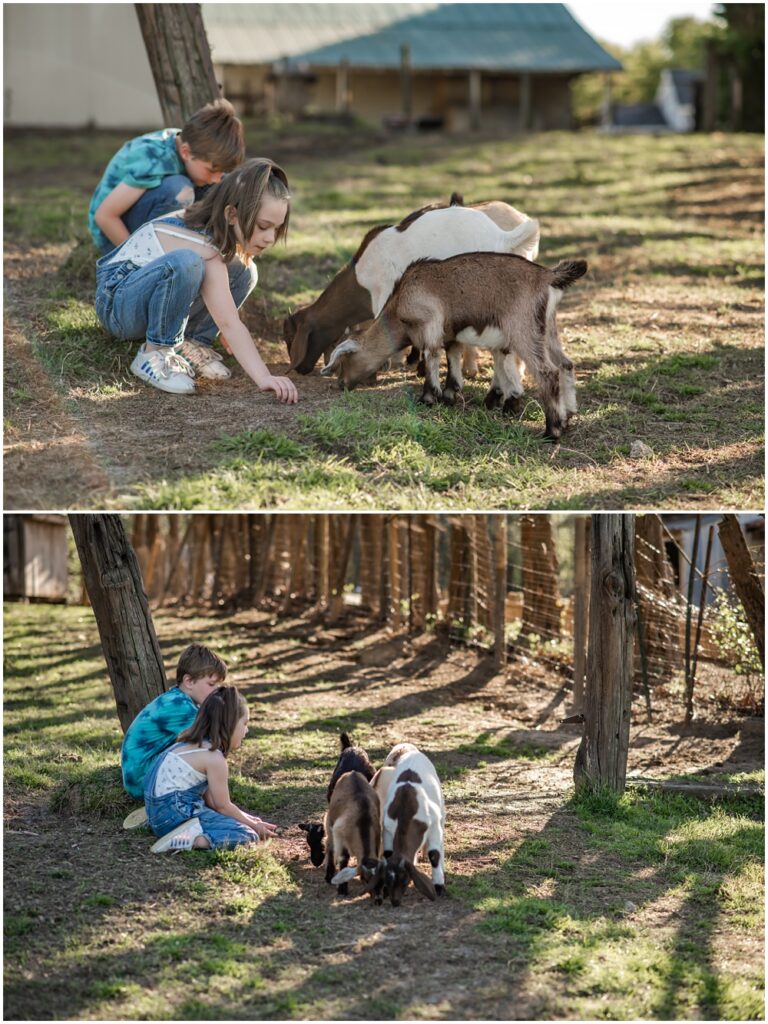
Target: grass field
point(647, 906)
point(666, 333)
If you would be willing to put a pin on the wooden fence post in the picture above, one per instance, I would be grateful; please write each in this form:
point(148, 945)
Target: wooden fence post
point(602, 757)
point(744, 578)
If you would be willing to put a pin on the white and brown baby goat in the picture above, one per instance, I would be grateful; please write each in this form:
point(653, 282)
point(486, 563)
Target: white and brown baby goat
point(495, 301)
point(413, 821)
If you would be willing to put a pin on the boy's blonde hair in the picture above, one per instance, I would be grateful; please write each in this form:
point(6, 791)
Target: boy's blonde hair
point(197, 661)
point(217, 718)
point(215, 134)
point(244, 191)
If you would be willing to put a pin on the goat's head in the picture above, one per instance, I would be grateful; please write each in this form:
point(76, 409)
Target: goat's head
point(354, 363)
point(371, 873)
point(315, 839)
point(391, 878)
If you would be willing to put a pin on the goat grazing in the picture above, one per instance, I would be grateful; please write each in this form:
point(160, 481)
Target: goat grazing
point(496, 301)
point(413, 820)
point(350, 759)
point(360, 289)
point(353, 829)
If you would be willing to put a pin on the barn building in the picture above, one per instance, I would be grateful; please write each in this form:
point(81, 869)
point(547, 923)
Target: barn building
point(503, 67)
point(499, 67)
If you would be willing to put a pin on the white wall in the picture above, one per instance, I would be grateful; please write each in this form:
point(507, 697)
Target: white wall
point(69, 65)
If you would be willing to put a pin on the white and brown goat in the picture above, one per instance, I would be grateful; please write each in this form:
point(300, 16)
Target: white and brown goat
point(413, 822)
point(361, 288)
point(497, 301)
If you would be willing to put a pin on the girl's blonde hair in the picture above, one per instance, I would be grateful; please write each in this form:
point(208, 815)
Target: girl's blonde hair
point(217, 719)
point(243, 190)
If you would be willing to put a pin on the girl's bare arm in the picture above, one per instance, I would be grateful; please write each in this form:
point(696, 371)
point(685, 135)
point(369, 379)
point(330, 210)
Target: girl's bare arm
point(221, 306)
point(218, 799)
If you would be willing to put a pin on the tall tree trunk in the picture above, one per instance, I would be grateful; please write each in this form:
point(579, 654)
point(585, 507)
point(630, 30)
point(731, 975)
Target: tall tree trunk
point(602, 756)
point(180, 59)
point(541, 609)
point(128, 639)
point(744, 578)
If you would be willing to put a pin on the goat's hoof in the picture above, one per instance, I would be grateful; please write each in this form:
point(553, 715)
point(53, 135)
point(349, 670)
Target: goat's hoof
point(440, 890)
point(343, 888)
point(428, 398)
point(553, 434)
point(493, 398)
point(513, 406)
point(449, 396)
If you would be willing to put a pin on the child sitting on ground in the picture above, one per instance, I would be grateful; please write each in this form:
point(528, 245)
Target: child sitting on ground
point(158, 172)
point(199, 673)
point(187, 791)
point(171, 283)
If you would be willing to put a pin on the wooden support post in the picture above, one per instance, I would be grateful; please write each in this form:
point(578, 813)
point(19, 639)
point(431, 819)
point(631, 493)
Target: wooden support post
point(744, 578)
point(406, 83)
point(580, 608)
point(475, 99)
point(601, 760)
point(342, 86)
point(500, 590)
point(394, 572)
point(525, 102)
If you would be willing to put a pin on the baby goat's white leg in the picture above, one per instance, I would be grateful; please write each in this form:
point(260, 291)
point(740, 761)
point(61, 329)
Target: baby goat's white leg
point(434, 845)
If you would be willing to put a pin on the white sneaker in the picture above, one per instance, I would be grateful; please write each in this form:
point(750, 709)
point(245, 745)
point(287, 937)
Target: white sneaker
point(180, 838)
point(136, 819)
point(165, 370)
point(203, 359)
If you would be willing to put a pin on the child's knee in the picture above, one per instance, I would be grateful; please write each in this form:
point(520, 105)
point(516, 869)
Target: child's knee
point(179, 188)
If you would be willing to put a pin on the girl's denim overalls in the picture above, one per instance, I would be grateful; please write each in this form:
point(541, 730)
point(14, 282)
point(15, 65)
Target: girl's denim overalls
point(168, 811)
point(161, 300)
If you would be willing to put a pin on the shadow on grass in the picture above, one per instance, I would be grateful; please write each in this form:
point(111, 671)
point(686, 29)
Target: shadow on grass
point(532, 928)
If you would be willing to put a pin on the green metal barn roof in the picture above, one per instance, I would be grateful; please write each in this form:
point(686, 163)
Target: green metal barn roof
point(491, 37)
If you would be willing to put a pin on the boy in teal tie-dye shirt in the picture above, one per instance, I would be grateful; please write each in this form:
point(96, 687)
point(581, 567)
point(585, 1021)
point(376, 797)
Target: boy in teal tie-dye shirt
point(158, 173)
point(157, 725)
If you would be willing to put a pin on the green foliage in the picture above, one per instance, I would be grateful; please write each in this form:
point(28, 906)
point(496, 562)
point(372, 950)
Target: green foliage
point(733, 637)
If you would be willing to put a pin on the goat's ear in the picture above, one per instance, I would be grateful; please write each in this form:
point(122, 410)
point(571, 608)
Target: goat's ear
point(345, 875)
point(350, 345)
point(372, 876)
point(300, 344)
point(422, 883)
point(304, 826)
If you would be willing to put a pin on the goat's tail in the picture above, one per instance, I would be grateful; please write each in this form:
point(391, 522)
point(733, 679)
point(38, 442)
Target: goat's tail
point(568, 271)
point(457, 199)
point(345, 741)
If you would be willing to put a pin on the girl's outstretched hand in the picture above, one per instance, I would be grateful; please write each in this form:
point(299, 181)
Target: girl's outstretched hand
point(263, 829)
point(285, 389)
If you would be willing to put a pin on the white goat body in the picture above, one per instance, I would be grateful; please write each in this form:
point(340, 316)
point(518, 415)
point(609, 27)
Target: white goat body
point(360, 290)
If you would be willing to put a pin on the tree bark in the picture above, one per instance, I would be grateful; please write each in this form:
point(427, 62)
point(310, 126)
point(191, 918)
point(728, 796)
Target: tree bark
point(601, 760)
point(180, 59)
point(128, 639)
point(744, 578)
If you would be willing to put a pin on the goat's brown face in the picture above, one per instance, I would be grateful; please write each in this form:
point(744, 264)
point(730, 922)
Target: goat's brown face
point(315, 837)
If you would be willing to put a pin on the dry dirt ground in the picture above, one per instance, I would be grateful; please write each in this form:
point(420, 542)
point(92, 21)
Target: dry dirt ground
point(415, 689)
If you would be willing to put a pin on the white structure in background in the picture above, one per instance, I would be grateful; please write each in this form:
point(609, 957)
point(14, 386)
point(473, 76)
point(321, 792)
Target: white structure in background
point(73, 65)
point(676, 98)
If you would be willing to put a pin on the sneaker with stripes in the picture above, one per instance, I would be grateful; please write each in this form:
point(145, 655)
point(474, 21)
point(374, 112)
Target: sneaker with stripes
point(166, 370)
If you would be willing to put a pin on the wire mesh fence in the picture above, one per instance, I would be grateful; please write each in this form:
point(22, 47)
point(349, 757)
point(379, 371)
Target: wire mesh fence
point(514, 586)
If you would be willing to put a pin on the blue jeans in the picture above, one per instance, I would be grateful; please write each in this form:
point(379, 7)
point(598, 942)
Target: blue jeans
point(154, 203)
point(166, 812)
point(161, 301)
